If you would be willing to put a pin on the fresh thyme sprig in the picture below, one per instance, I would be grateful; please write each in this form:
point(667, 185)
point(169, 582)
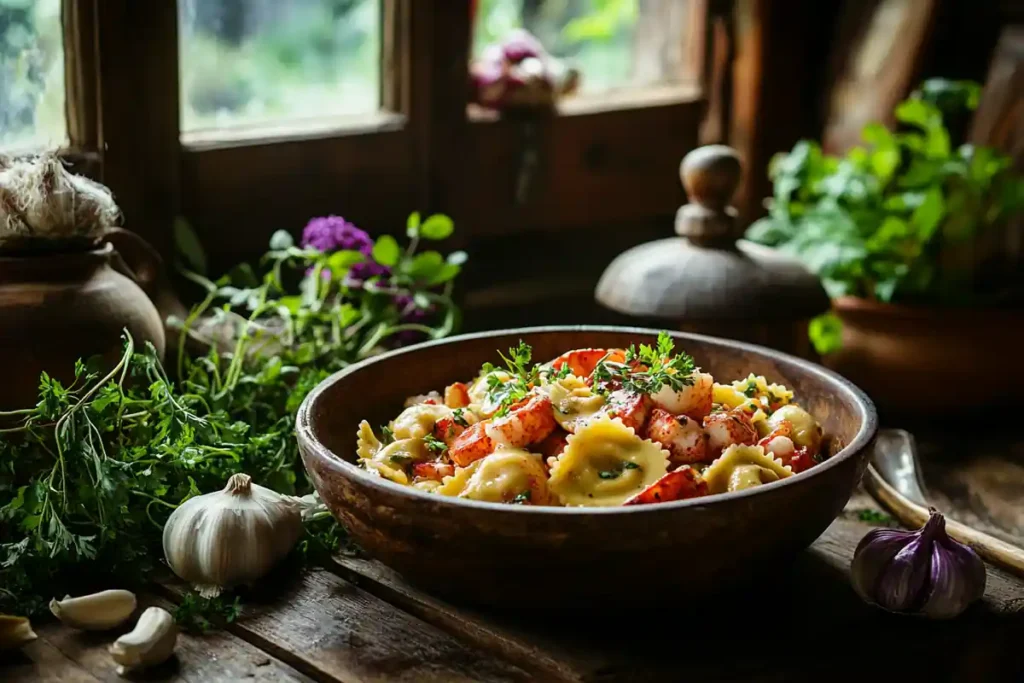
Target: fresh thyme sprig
point(647, 370)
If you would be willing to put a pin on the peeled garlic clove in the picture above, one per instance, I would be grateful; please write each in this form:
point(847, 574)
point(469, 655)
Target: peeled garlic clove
point(97, 612)
point(151, 642)
point(15, 632)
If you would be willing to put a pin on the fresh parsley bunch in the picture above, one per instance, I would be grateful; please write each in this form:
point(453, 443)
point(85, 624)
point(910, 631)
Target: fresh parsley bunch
point(89, 475)
point(904, 218)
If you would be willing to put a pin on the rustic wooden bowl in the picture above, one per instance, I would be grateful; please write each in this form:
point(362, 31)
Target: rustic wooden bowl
point(535, 557)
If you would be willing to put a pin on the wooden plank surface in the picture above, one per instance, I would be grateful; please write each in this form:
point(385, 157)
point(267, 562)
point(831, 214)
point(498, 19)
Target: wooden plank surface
point(63, 654)
point(331, 630)
point(359, 621)
point(812, 610)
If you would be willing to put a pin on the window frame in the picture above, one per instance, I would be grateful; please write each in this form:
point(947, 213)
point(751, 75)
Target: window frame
point(616, 162)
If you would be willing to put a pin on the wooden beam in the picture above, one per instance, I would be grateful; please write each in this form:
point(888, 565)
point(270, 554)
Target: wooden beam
point(139, 113)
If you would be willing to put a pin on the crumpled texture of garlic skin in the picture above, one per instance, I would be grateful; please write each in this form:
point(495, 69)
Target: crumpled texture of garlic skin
point(231, 537)
point(42, 202)
point(923, 572)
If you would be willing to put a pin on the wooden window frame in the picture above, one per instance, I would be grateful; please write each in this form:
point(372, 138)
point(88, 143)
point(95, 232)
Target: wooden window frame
point(602, 162)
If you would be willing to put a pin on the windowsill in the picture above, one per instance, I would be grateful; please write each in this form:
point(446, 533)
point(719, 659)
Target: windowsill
point(292, 130)
point(615, 100)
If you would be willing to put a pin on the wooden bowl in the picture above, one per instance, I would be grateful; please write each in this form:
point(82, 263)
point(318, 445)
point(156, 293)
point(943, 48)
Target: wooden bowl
point(537, 557)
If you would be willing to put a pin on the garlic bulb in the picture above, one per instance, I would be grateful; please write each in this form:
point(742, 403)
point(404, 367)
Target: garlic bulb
point(15, 632)
point(96, 612)
point(40, 201)
point(922, 572)
point(151, 641)
point(231, 537)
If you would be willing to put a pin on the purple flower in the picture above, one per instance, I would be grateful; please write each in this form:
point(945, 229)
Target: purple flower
point(331, 233)
point(409, 312)
point(366, 270)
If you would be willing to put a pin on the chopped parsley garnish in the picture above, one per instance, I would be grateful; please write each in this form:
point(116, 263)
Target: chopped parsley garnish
point(523, 497)
point(519, 385)
point(400, 458)
point(751, 390)
point(874, 517)
point(387, 436)
point(459, 416)
point(614, 473)
point(561, 373)
point(647, 370)
point(434, 444)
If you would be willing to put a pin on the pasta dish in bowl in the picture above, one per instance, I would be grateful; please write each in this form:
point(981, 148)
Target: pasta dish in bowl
point(594, 427)
point(476, 464)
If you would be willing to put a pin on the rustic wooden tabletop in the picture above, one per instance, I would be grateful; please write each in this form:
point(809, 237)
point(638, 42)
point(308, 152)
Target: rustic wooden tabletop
point(356, 621)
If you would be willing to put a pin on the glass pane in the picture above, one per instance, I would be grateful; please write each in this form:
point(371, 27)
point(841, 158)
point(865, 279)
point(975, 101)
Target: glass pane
point(614, 44)
point(31, 75)
point(246, 62)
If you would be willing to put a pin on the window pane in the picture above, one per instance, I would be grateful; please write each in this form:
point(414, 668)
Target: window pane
point(31, 75)
point(614, 43)
point(246, 62)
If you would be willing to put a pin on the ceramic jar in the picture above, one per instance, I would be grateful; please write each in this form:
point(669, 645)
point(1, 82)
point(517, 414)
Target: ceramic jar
point(60, 306)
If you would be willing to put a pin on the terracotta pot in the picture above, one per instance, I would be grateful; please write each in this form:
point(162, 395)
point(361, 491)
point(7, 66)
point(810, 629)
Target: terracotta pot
point(58, 307)
point(929, 363)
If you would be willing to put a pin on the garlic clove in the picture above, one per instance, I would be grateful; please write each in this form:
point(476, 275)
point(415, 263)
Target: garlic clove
point(96, 612)
point(871, 558)
point(958, 579)
point(905, 576)
point(15, 632)
point(150, 643)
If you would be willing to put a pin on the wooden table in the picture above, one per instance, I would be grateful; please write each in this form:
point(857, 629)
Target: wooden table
point(355, 620)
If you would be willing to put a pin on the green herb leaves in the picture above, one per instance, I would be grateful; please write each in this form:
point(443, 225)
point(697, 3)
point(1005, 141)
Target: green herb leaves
point(646, 371)
point(523, 378)
point(90, 473)
point(826, 333)
point(386, 251)
point(616, 472)
point(434, 444)
point(890, 220)
point(197, 614)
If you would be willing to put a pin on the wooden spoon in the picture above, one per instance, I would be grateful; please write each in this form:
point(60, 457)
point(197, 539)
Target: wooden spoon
point(893, 477)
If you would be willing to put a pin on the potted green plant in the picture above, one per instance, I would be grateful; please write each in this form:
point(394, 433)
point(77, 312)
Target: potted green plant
point(909, 235)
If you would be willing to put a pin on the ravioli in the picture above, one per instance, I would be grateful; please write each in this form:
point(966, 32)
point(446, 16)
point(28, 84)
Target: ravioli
point(806, 431)
point(721, 475)
point(573, 401)
point(509, 475)
point(417, 421)
point(604, 463)
point(527, 434)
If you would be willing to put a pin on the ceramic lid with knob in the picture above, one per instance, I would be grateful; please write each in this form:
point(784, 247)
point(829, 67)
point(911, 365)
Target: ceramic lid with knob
point(708, 273)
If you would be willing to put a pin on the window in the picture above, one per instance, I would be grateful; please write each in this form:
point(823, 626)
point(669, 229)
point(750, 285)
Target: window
point(615, 43)
point(31, 75)
point(257, 63)
point(249, 116)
